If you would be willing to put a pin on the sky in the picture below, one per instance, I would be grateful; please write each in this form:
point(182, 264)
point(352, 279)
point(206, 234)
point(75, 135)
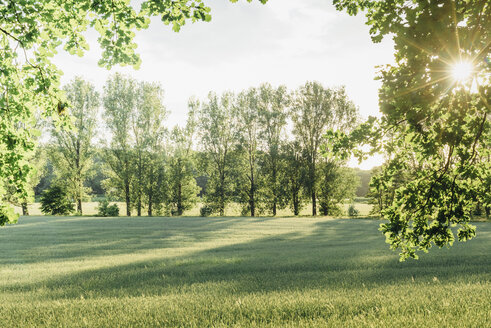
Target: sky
point(284, 42)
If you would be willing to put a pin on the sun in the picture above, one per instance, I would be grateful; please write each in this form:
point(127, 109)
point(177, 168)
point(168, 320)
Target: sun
point(462, 71)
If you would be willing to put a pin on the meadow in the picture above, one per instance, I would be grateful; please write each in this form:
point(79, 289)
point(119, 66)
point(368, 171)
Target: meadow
point(234, 272)
point(232, 209)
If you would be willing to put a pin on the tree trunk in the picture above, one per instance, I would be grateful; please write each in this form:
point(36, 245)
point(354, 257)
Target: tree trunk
point(139, 205)
point(79, 205)
point(179, 200)
point(127, 195)
point(275, 196)
point(25, 210)
point(251, 195)
point(312, 185)
point(222, 194)
point(295, 203)
point(150, 202)
point(314, 204)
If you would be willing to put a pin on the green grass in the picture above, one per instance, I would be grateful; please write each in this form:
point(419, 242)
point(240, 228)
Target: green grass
point(233, 209)
point(234, 272)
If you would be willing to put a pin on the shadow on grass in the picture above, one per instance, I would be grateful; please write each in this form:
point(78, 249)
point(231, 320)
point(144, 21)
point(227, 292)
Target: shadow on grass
point(334, 254)
point(52, 238)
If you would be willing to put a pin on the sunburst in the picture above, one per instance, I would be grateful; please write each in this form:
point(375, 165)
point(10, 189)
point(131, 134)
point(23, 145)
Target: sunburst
point(462, 71)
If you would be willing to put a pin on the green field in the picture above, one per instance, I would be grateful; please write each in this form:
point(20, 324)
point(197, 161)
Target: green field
point(234, 272)
point(233, 209)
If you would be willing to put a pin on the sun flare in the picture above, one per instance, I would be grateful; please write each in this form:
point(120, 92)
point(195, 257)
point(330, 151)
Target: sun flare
point(462, 71)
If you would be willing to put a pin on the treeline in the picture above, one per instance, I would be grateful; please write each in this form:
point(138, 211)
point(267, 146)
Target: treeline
point(264, 148)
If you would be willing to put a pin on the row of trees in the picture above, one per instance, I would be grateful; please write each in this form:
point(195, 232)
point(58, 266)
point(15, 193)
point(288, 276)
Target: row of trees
point(261, 147)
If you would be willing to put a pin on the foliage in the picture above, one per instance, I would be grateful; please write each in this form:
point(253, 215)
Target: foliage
point(314, 110)
point(105, 209)
point(218, 136)
point(352, 211)
point(147, 128)
point(32, 32)
point(55, 201)
point(272, 106)
point(72, 150)
point(431, 115)
point(119, 101)
point(336, 185)
point(206, 210)
point(181, 162)
point(294, 174)
point(248, 126)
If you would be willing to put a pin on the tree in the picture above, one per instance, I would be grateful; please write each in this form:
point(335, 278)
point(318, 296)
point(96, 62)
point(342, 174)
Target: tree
point(218, 134)
point(293, 169)
point(247, 115)
point(314, 111)
point(146, 119)
point(72, 149)
point(435, 101)
point(31, 32)
point(55, 201)
point(183, 188)
point(336, 185)
point(272, 110)
point(119, 103)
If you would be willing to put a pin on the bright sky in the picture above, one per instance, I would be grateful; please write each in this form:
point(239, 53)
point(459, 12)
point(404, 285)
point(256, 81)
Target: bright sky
point(283, 42)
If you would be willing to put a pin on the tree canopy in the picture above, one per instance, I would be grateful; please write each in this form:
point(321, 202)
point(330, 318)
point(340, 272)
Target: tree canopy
point(435, 109)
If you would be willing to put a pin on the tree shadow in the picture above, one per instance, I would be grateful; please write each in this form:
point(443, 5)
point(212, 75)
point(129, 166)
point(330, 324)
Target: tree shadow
point(45, 239)
point(336, 254)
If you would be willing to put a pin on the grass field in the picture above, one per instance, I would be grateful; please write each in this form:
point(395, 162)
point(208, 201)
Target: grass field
point(234, 272)
point(234, 209)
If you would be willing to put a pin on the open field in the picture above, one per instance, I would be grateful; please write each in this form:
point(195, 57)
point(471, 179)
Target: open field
point(234, 272)
point(234, 209)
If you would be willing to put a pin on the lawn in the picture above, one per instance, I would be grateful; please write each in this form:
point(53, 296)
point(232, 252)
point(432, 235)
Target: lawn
point(234, 272)
point(233, 209)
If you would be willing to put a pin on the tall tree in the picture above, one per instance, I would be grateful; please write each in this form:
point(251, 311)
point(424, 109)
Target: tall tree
point(272, 109)
point(183, 188)
point(218, 133)
point(147, 128)
point(119, 104)
point(73, 149)
point(293, 175)
point(435, 100)
point(314, 111)
point(248, 127)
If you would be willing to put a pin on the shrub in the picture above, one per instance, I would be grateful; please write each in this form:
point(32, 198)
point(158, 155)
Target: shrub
point(206, 210)
point(107, 210)
point(352, 211)
point(55, 201)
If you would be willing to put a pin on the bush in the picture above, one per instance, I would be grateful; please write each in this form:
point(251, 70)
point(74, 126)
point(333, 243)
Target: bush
point(352, 211)
point(206, 210)
point(107, 210)
point(55, 201)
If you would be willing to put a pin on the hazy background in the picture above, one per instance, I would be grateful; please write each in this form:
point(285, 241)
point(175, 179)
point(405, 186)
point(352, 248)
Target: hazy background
point(283, 42)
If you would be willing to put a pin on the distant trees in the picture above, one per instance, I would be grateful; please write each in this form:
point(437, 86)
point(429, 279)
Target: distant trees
point(148, 131)
point(239, 146)
point(314, 110)
point(218, 133)
point(294, 175)
point(181, 165)
point(134, 116)
point(246, 112)
point(72, 149)
point(119, 103)
point(272, 104)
